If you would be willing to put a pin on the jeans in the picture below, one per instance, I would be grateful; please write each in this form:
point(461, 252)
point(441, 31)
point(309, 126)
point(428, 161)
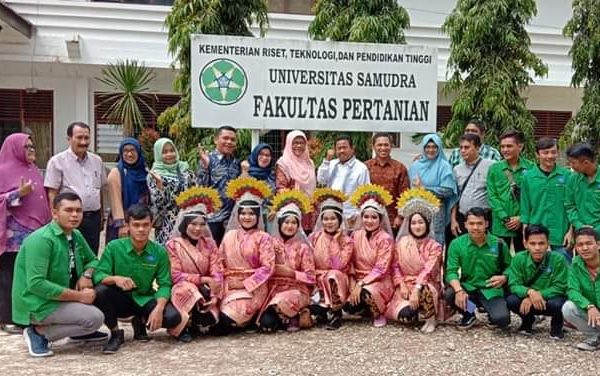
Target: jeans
point(71, 319)
point(578, 317)
point(553, 309)
point(496, 307)
point(563, 251)
point(90, 229)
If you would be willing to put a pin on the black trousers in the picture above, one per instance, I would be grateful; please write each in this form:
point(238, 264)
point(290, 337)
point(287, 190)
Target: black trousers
point(496, 307)
point(517, 241)
point(90, 229)
point(217, 229)
point(115, 303)
point(7, 266)
point(553, 309)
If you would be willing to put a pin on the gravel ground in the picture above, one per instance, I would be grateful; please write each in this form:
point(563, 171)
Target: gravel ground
point(356, 349)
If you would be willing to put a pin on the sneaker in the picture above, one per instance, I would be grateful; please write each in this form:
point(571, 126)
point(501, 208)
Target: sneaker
point(185, 336)
point(117, 338)
point(139, 330)
point(526, 332)
point(334, 320)
point(557, 335)
point(590, 344)
point(93, 337)
point(11, 329)
point(36, 344)
point(467, 321)
point(380, 322)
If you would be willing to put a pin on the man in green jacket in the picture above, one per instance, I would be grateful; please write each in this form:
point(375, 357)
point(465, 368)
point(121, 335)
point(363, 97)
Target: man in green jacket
point(125, 276)
point(52, 290)
point(582, 200)
point(481, 259)
point(582, 308)
point(538, 282)
point(504, 182)
point(542, 193)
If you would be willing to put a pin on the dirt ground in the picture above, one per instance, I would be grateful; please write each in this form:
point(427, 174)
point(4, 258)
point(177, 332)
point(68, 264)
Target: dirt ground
point(356, 349)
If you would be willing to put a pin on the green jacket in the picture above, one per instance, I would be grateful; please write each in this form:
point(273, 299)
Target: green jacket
point(477, 264)
point(582, 201)
point(552, 281)
point(42, 271)
point(582, 290)
point(500, 196)
point(121, 259)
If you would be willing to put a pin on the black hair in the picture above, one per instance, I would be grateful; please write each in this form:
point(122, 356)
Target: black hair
point(185, 222)
point(477, 212)
point(139, 212)
point(280, 223)
point(472, 138)
point(536, 230)
point(67, 196)
point(478, 123)
point(380, 135)
point(225, 128)
point(545, 143)
point(250, 205)
point(514, 134)
point(581, 151)
point(344, 137)
point(335, 211)
point(74, 124)
point(587, 231)
point(427, 226)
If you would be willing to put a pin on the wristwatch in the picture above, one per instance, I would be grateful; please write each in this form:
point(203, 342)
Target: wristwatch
point(88, 274)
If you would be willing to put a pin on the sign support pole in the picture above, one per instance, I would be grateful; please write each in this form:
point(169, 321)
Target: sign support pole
point(255, 138)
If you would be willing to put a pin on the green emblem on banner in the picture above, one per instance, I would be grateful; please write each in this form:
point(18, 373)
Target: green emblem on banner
point(223, 81)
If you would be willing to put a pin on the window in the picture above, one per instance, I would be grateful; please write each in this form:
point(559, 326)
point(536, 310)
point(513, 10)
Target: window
point(291, 6)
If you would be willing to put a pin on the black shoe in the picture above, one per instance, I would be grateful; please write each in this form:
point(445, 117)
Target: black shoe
point(139, 330)
point(185, 336)
point(117, 338)
point(92, 337)
point(557, 334)
point(467, 321)
point(334, 320)
point(526, 331)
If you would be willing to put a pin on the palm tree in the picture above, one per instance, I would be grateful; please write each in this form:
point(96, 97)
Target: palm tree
point(129, 86)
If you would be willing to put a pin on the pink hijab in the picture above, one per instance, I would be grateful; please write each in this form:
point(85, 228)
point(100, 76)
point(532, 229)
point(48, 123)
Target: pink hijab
point(34, 210)
point(300, 169)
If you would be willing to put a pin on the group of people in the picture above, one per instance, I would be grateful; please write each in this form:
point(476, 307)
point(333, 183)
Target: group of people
point(285, 246)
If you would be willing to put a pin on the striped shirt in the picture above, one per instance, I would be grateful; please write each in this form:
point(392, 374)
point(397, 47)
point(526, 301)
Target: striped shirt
point(485, 152)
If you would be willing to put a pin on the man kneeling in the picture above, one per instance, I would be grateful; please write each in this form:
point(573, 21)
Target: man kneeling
point(482, 259)
point(125, 275)
point(538, 282)
point(582, 307)
point(52, 291)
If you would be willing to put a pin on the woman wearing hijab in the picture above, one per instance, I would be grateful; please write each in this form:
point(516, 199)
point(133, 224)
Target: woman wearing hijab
point(260, 164)
point(433, 172)
point(126, 187)
point(295, 170)
point(417, 265)
point(23, 209)
point(168, 177)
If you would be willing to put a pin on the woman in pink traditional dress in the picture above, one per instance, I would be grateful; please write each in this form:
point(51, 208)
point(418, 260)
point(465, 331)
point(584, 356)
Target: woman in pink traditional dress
point(195, 269)
point(246, 256)
point(294, 276)
point(371, 285)
point(417, 263)
point(333, 251)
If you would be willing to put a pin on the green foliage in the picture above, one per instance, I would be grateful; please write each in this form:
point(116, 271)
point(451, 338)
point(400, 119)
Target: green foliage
point(147, 139)
point(584, 29)
point(489, 66)
point(129, 83)
point(187, 17)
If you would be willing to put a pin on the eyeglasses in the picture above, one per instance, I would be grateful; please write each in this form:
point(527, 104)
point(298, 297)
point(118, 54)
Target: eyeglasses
point(29, 147)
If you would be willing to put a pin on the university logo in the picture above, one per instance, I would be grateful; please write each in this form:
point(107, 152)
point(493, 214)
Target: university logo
point(223, 81)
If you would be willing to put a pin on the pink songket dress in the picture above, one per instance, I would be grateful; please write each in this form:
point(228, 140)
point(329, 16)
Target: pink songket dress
point(247, 259)
point(412, 265)
point(291, 295)
point(372, 261)
point(332, 266)
point(190, 267)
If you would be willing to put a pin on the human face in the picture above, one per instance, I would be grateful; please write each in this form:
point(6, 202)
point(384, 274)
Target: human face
point(587, 247)
point(579, 164)
point(196, 228)
point(331, 223)
point(168, 154)
point(29, 151)
point(225, 142)
point(68, 215)
point(139, 229)
point(510, 149)
point(473, 129)
point(383, 147)
point(547, 158)
point(289, 227)
point(468, 151)
point(80, 141)
point(264, 158)
point(130, 154)
point(537, 245)
point(431, 150)
point(418, 226)
point(247, 218)
point(343, 150)
point(476, 226)
point(371, 220)
point(298, 146)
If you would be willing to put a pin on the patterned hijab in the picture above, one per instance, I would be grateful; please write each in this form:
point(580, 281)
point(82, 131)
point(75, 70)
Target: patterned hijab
point(160, 167)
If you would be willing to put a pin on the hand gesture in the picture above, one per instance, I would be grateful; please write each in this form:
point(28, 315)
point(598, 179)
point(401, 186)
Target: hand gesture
point(455, 227)
point(124, 283)
point(25, 187)
point(155, 319)
point(460, 300)
point(330, 154)
point(157, 179)
point(568, 239)
point(417, 182)
point(496, 281)
point(87, 296)
point(414, 299)
point(203, 156)
point(123, 231)
point(354, 298)
point(525, 306)
point(594, 317)
point(537, 300)
point(404, 293)
point(84, 283)
point(245, 166)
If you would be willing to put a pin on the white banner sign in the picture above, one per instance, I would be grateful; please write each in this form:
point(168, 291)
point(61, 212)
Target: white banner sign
point(262, 83)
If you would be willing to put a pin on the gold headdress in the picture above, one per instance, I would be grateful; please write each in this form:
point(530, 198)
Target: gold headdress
point(327, 198)
point(293, 202)
point(248, 189)
point(203, 199)
point(371, 196)
point(418, 200)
